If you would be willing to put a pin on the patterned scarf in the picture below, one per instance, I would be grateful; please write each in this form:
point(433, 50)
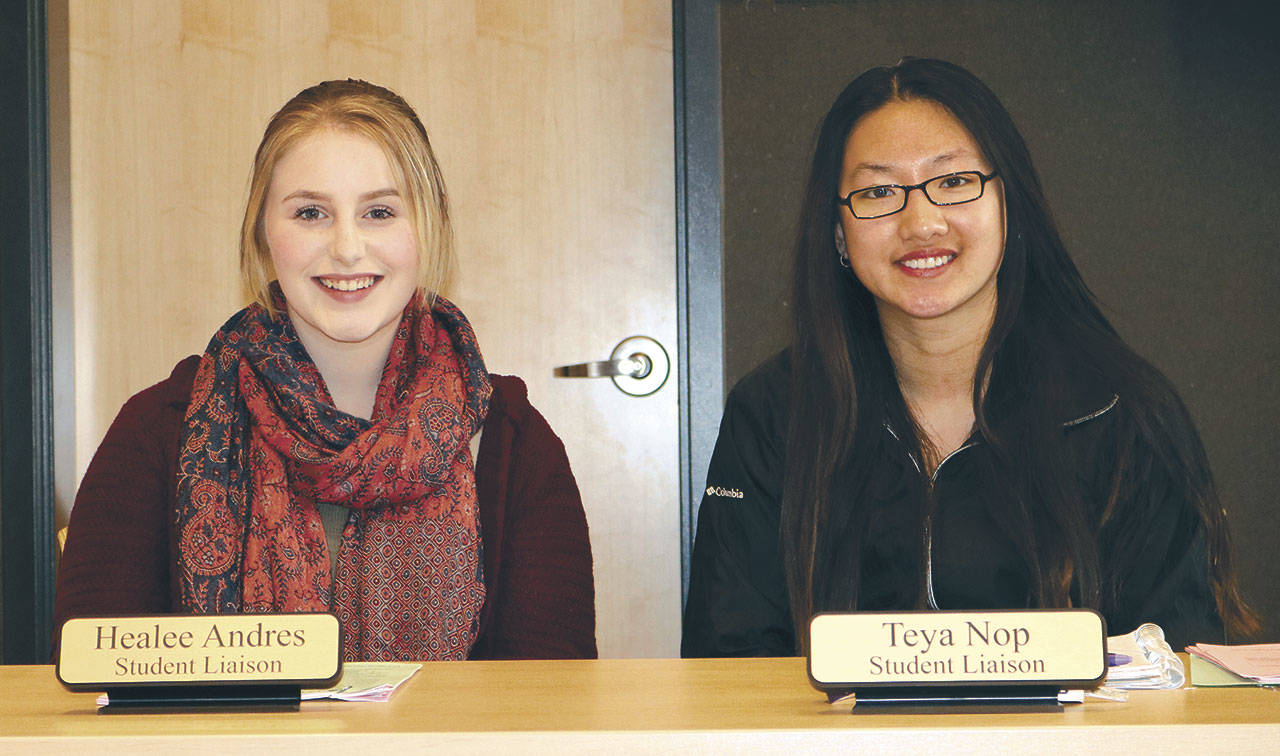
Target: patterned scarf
point(263, 442)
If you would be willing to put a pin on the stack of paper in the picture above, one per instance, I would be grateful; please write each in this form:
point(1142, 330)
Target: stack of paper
point(366, 681)
point(1257, 664)
point(1152, 665)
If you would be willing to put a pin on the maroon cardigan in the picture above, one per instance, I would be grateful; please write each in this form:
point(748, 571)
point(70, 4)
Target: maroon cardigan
point(539, 598)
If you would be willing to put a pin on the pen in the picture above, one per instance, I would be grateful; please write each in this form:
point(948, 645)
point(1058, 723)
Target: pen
point(1116, 660)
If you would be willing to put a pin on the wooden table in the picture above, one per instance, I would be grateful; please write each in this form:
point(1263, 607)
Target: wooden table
point(615, 706)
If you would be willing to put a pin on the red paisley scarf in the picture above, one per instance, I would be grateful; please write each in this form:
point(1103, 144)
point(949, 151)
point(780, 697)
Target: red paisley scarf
point(263, 442)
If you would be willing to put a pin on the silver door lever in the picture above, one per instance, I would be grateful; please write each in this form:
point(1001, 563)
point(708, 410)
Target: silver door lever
point(639, 366)
point(634, 366)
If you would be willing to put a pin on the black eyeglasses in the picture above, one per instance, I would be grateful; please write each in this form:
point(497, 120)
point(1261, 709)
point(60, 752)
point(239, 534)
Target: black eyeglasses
point(887, 199)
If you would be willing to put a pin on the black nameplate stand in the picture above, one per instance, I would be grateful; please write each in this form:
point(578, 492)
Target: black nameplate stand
point(201, 698)
point(952, 700)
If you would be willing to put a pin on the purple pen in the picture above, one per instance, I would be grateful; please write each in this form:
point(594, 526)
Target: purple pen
point(1116, 660)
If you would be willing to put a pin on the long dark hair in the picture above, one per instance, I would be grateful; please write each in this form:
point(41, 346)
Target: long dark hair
point(844, 391)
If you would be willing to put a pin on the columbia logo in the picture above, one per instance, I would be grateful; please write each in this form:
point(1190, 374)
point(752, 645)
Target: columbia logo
point(732, 493)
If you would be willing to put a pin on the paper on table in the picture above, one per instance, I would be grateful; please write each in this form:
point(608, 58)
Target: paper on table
point(1206, 674)
point(1259, 662)
point(366, 681)
point(1154, 665)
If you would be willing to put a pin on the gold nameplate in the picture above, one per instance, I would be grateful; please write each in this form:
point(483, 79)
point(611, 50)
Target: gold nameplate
point(1058, 647)
point(119, 652)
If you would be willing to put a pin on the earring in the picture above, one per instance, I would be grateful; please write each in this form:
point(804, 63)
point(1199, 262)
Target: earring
point(842, 251)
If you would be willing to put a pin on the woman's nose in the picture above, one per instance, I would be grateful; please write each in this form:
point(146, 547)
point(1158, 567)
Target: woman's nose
point(347, 245)
point(921, 219)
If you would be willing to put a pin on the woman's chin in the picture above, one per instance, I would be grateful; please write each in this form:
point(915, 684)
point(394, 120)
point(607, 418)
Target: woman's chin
point(941, 305)
point(351, 336)
point(344, 333)
point(918, 309)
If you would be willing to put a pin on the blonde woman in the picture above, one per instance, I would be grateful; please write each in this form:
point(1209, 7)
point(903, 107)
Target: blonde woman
point(339, 445)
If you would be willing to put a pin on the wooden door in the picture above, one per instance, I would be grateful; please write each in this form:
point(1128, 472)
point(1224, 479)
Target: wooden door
point(553, 124)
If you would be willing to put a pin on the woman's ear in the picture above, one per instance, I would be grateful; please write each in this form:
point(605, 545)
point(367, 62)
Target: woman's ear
point(841, 248)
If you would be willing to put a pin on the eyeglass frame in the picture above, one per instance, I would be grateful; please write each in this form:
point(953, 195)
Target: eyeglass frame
point(983, 178)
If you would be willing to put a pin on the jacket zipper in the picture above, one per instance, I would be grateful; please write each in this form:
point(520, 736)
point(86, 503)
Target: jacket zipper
point(930, 599)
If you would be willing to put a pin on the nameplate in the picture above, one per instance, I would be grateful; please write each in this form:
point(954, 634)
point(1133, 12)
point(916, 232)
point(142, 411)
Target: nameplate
point(1047, 647)
point(212, 649)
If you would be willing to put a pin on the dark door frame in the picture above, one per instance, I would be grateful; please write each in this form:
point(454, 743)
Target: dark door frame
point(699, 294)
point(26, 373)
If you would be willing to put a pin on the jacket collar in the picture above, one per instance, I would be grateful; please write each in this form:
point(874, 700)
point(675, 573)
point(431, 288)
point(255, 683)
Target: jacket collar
point(1104, 409)
point(1100, 408)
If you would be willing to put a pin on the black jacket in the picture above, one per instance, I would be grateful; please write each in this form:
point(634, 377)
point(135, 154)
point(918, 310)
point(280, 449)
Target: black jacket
point(738, 603)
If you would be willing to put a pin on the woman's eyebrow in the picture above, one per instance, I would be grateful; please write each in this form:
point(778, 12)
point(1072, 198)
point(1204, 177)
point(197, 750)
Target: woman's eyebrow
point(949, 156)
point(872, 168)
point(321, 196)
point(941, 159)
point(305, 194)
point(376, 193)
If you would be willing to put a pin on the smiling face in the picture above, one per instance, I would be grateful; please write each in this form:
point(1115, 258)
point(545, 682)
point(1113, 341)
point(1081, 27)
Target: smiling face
point(342, 241)
point(925, 262)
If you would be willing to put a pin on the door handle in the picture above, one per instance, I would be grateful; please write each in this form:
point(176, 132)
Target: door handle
point(639, 366)
point(633, 366)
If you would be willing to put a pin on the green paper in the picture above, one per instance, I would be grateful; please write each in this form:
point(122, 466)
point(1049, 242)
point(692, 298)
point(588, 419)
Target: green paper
point(1206, 674)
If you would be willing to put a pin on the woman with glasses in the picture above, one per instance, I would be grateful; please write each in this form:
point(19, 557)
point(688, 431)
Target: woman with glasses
point(955, 424)
point(339, 446)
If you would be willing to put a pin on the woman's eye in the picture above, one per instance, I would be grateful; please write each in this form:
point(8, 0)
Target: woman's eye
point(308, 213)
point(380, 213)
point(877, 192)
point(955, 182)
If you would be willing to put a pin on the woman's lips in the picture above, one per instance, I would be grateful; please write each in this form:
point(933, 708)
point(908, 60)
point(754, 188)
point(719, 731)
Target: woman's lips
point(347, 289)
point(925, 262)
point(347, 283)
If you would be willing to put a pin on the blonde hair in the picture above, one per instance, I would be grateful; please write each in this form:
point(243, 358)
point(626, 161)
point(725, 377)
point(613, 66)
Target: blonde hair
point(383, 117)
